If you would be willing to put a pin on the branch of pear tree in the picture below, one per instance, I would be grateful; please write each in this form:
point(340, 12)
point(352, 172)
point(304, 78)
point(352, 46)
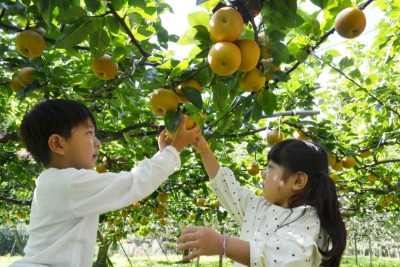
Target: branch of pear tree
point(128, 31)
point(323, 39)
point(16, 202)
point(365, 90)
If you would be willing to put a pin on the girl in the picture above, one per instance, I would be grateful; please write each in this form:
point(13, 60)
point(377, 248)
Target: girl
point(295, 223)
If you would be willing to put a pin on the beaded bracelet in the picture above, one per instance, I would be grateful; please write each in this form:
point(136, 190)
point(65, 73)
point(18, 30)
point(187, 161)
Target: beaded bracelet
point(224, 246)
point(202, 149)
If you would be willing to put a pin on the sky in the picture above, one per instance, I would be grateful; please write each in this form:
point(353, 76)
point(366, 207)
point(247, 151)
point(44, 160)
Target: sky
point(176, 23)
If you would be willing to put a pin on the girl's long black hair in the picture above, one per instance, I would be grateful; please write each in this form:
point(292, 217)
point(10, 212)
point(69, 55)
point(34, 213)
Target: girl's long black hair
point(296, 155)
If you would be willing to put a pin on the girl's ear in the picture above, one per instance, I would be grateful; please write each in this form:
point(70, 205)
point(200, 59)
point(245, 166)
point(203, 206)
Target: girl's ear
point(56, 144)
point(300, 182)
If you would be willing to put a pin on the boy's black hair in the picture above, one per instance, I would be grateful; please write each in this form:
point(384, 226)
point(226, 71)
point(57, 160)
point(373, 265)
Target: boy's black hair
point(55, 116)
point(311, 158)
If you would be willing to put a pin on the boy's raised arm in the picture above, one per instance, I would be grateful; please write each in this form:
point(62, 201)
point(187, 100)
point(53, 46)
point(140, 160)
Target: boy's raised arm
point(185, 137)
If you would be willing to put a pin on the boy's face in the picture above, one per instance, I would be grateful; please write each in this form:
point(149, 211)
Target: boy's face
point(82, 148)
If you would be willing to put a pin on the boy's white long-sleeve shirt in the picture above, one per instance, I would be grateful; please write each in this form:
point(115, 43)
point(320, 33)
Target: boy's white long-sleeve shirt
point(67, 203)
point(278, 236)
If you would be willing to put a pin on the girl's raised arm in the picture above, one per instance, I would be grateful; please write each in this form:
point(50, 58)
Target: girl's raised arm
point(211, 164)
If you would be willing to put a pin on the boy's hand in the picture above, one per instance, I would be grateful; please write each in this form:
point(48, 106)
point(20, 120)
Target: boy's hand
point(185, 137)
point(163, 140)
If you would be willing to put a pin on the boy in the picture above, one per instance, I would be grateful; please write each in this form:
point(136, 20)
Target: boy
point(69, 194)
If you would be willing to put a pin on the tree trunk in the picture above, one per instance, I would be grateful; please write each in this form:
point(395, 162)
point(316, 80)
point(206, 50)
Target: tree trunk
point(102, 256)
point(370, 251)
point(355, 248)
point(18, 241)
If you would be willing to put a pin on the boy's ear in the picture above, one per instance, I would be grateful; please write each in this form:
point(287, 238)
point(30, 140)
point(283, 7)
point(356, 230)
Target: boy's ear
point(56, 144)
point(300, 182)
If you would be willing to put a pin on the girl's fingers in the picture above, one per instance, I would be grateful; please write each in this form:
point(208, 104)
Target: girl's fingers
point(187, 237)
point(190, 229)
point(185, 246)
point(196, 253)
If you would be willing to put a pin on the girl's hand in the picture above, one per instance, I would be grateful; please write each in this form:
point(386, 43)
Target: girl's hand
point(204, 240)
point(163, 140)
point(201, 142)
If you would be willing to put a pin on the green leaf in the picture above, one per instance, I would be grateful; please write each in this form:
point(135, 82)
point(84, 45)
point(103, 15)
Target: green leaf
point(276, 19)
point(117, 4)
point(257, 110)
point(46, 8)
point(346, 63)
point(143, 32)
point(220, 95)
point(149, 12)
point(73, 14)
point(193, 95)
point(333, 53)
point(311, 27)
point(279, 6)
point(172, 119)
point(276, 36)
point(200, 18)
point(178, 69)
point(251, 148)
point(202, 34)
point(267, 101)
point(63, 5)
point(118, 54)
point(193, 35)
point(293, 20)
point(25, 2)
point(137, 3)
point(164, 6)
point(224, 124)
point(72, 35)
point(93, 5)
point(135, 17)
point(99, 41)
point(301, 55)
point(355, 73)
point(320, 3)
point(279, 52)
point(112, 24)
point(280, 75)
point(162, 34)
point(237, 121)
point(197, 118)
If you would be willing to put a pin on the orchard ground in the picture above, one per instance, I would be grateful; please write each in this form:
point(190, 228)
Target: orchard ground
point(121, 261)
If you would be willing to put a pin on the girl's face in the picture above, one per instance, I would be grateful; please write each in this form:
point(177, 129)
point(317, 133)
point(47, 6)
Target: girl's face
point(275, 190)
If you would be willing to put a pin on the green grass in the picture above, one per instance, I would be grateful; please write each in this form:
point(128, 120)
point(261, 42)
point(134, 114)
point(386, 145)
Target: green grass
point(364, 262)
point(121, 261)
point(159, 261)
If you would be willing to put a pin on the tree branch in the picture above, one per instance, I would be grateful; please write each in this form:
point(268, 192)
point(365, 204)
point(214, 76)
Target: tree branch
point(354, 82)
point(5, 137)
point(128, 31)
point(17, 202)
point(323, 39)
point(3, 11)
